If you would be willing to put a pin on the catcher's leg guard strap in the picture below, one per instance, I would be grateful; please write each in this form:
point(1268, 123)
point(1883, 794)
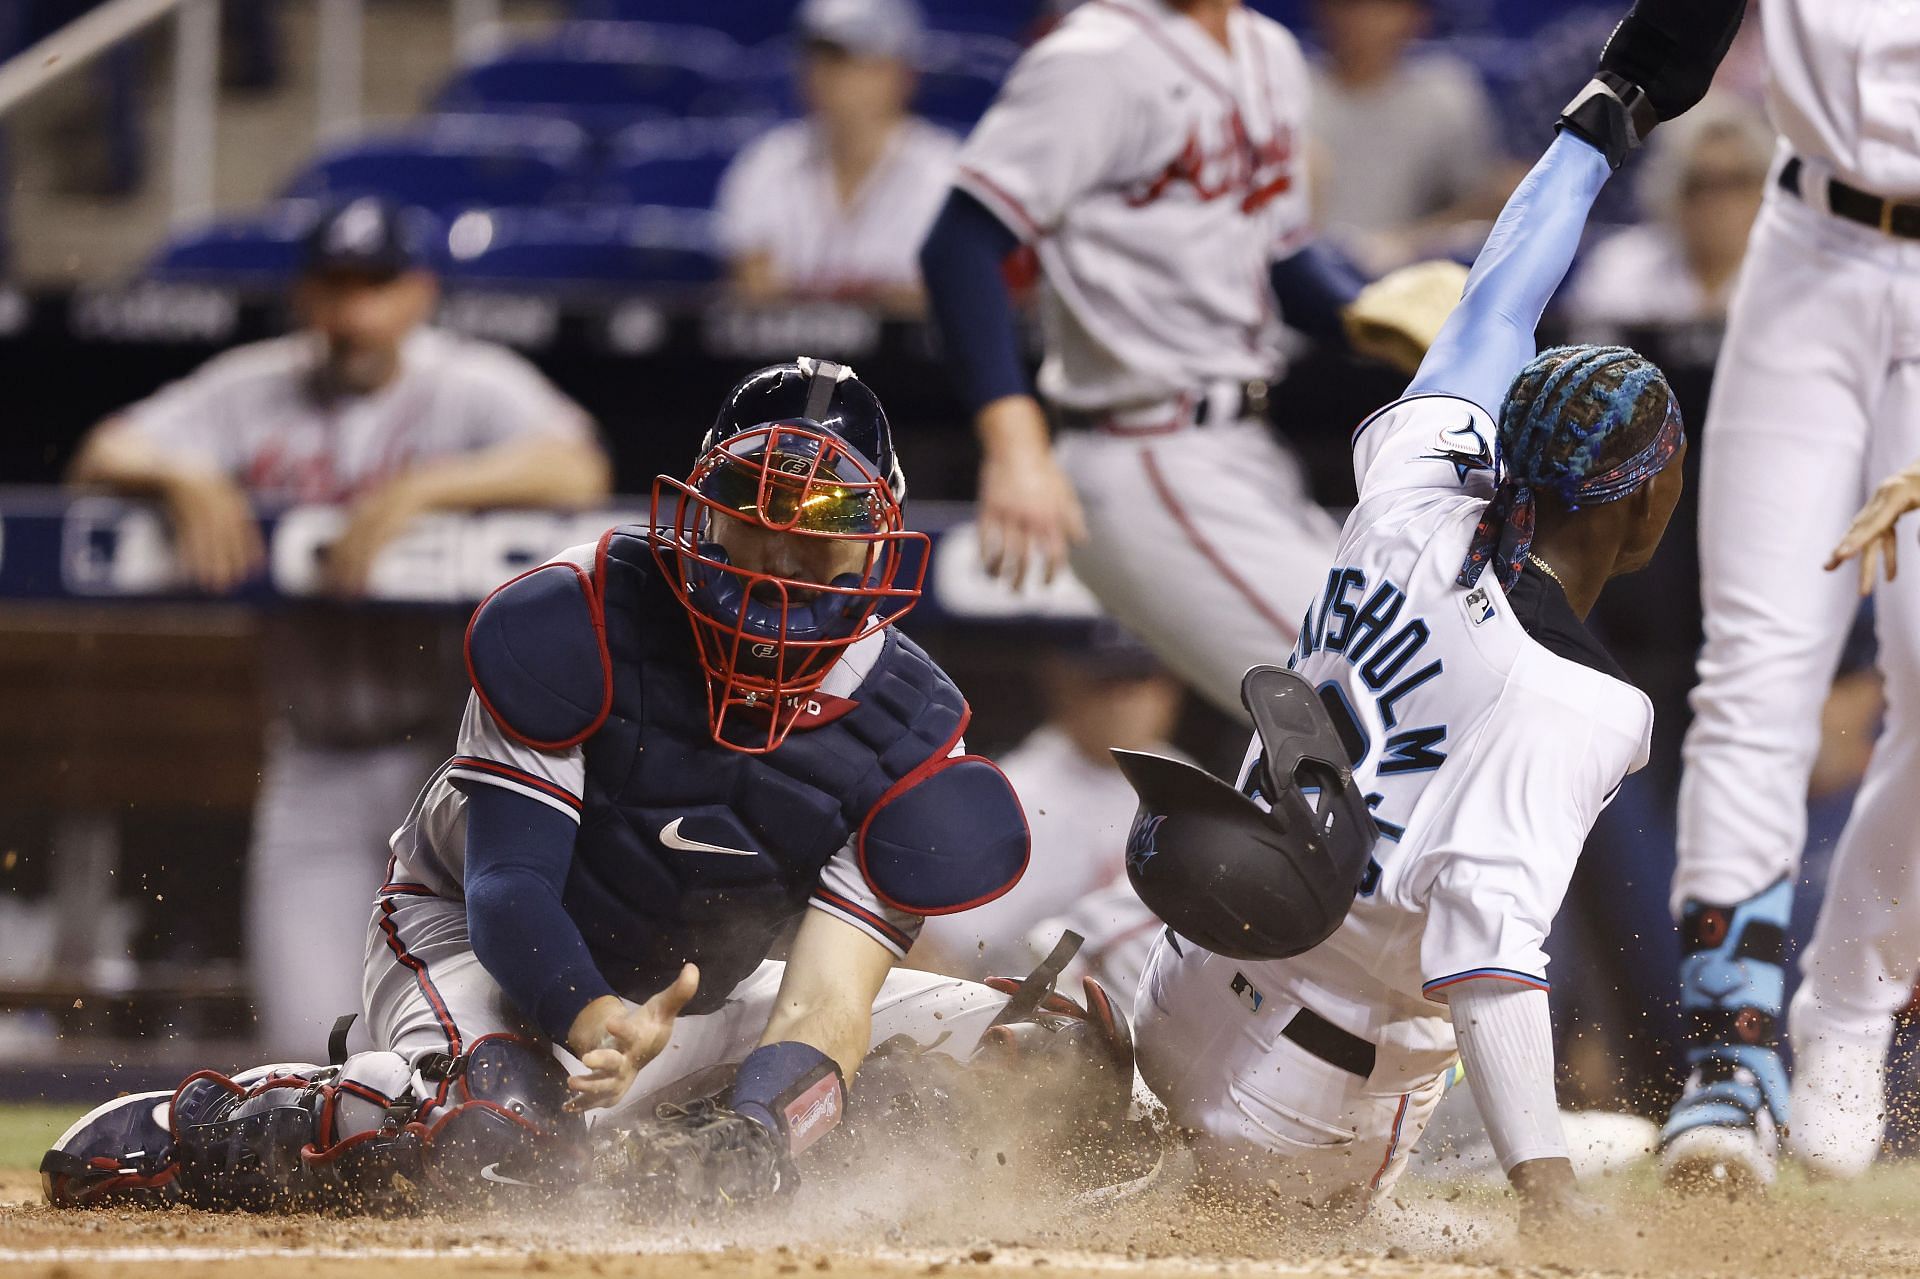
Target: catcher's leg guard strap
point(498, 1117)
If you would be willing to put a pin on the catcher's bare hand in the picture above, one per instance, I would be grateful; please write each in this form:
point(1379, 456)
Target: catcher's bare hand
point(1872, 533)
point(214, 529)
point(1027, 505)
point(614, 1041)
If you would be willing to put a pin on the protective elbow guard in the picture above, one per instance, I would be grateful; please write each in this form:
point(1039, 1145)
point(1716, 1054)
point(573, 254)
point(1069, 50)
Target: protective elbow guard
point(1612, 114)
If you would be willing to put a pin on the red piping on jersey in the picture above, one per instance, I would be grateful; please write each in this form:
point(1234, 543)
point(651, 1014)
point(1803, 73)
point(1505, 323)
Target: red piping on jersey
point(939, 760)
point(999, 193)
point(512, 774)
point(440, 1013)
point(1213, 557)
point(1155, 34)
point(1181, 420)
point(1393, 1143)
point(596, 608)
point(828, 897)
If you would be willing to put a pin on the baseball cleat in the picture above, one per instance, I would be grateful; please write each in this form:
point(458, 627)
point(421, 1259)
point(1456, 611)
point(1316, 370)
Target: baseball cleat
point(1720, 1157)
point(1724, 1132)
point(1839, 1091)
point(119, 1153)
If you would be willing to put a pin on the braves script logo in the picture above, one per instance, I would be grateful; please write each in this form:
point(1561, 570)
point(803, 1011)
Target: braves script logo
point(1235, 165)
point(1465, 447)
point(1140, 849)
point(810, 1115)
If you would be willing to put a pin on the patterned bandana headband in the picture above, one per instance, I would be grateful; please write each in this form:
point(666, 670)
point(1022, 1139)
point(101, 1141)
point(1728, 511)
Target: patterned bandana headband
point(1505, 532)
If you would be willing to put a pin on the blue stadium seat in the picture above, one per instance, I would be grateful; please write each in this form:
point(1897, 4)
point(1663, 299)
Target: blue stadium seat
point(604, 74)
point(262, 247)
point(676, 162)
point(584, 248)
point(748, 21)
point(453, 162)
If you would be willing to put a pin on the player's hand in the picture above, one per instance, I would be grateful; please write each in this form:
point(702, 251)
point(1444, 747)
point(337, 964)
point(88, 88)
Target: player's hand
point(215, 532)
point(614, 1041)
point(1872, 533)
point(374, 520)
point(1027, 505)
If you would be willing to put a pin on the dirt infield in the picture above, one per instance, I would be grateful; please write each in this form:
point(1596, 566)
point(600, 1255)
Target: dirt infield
point(910, 1228)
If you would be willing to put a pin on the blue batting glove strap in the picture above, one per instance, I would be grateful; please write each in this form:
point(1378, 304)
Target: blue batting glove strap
point(791, 1088)
point(1732, 983)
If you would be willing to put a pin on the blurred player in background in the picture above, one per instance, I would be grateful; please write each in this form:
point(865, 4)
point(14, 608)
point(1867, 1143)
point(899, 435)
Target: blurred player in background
point(836, 204)
point(1448, 663)
point(1702, 183)
point(1107, 692)
point(1154, 156)
point(368, 409)
point(1420, 118)
point(1816, 398)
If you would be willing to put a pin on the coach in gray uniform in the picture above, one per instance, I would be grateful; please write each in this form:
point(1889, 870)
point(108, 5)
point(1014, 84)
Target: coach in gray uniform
point(370, 409)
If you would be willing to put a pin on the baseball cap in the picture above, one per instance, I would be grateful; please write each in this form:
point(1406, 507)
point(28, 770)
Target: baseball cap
point(369, 235)
point(869, 28)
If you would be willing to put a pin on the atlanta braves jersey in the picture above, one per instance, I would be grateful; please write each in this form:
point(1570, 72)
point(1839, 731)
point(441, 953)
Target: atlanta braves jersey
point(1157, 175)
point(430, 847)
point(1485, 756)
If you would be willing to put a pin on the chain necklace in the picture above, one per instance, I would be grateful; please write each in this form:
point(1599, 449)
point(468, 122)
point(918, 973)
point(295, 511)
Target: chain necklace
point(1546, 568)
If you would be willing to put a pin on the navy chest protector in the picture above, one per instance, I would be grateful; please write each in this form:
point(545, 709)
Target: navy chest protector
point(689, 851)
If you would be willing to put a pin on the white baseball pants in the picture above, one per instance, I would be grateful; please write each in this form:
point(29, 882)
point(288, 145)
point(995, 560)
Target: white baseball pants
point(321, 824)
point(1203, 542)
point(1817, 398)
point(426, 992)
point(1267, 1111)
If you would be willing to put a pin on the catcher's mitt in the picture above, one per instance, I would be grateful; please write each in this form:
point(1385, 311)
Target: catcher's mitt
point(1397, 317)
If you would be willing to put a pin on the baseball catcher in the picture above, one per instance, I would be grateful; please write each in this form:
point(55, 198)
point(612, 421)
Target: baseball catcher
point(685, 746)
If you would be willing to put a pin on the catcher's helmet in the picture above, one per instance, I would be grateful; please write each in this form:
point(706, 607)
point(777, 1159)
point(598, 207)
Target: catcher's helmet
point(1237, 879)
point(786, 544)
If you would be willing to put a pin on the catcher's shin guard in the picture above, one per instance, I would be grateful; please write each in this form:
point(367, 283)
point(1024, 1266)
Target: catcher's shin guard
point(495, 1122)
point(1725, 1129)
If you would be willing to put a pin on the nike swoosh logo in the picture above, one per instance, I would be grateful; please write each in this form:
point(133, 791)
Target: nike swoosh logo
point(670, 836)
point(492, 1173)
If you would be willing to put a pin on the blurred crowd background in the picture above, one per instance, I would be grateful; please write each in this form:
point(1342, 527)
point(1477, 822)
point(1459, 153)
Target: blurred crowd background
point(646, 198)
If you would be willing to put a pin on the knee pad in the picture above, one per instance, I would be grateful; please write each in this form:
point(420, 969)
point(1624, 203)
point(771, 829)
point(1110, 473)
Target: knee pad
point(1732, 980)
point(497, 1121)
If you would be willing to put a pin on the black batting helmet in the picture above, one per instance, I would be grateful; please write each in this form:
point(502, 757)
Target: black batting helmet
point(1234, 878)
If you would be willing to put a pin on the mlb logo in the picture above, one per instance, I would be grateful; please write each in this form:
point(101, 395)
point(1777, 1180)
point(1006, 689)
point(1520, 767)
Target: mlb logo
point(1479, 605)
point(1249, 993)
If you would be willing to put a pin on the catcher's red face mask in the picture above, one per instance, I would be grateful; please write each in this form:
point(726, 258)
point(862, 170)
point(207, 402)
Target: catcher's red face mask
point(785, 546)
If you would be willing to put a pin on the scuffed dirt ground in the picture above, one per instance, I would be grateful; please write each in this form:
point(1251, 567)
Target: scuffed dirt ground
point(902, 1226)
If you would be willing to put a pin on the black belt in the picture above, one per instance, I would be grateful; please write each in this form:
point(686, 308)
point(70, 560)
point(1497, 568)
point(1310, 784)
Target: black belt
point(1249, 399)
point(1887, 216)
point(1329, 1043)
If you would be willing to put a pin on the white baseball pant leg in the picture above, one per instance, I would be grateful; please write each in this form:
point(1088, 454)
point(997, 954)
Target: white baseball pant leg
point(1267, 1111)
point(1204, 543)
point(1789, 448)
point(1860, 966)
point(426, 992)
point(321, 825)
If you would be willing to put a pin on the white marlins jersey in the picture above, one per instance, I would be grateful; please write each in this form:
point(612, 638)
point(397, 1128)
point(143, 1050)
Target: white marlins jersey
point(1157, 175)
point(1484, 756)
point(1844, 88)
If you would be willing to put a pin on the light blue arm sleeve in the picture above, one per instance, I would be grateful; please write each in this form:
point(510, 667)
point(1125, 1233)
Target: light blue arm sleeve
point(1489, 337)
